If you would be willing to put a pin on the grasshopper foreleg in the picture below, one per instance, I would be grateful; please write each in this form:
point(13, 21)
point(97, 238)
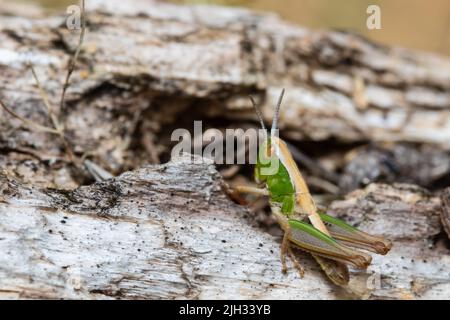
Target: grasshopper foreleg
point(251, 190)
point(235, 192)
point(286, 249)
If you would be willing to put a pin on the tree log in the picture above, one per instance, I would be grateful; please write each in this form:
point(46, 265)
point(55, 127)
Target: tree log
point(168, 232)
point(339, 85)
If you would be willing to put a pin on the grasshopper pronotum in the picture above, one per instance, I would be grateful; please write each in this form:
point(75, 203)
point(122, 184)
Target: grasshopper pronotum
point(326, 238)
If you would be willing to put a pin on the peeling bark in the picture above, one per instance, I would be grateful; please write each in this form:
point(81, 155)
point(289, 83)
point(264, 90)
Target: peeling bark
point(145, 65)
point(424, 165)
point(212, 54)
point(169, 232)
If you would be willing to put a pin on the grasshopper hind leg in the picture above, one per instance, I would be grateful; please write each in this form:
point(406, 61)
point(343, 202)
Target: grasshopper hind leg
point(283, 252)
point(286, 246)
point(286, 250)
point(294, 260)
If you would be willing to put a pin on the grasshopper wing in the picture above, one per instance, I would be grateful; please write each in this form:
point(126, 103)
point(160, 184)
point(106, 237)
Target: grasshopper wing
point(308, 238)
point(353, 237)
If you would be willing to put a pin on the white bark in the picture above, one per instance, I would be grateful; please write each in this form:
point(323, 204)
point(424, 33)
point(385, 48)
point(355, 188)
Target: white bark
point(169, 232)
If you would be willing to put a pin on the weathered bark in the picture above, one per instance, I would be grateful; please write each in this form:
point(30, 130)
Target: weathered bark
point(424, 165)
point(216, 54)
point(169, 231)
point(445, 213)
point(144, 64)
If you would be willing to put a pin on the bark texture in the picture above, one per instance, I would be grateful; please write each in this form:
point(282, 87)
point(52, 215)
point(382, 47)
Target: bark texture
point(146, 64)
point(338, 84)
point(169, 232)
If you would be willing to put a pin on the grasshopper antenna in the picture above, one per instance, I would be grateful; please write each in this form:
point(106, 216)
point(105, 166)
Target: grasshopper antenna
point(259, 114)
point(277, 113)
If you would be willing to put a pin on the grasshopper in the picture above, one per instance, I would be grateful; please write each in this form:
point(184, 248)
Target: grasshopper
point(327, 238)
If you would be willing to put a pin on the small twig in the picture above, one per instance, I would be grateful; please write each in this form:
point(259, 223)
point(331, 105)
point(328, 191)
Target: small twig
point(96, 171)
point(58, 127)
point(73, 60)
point(38, 127)
point(323, 185)
point(29, 123)
point(45, 99)
point(150, 147)
point(35, 154)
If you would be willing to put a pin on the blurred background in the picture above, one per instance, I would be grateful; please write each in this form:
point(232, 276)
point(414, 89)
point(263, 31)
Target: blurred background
point(417, 24)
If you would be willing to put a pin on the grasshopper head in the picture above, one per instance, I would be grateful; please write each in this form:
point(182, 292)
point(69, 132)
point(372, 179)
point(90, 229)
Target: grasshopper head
point(266, 154)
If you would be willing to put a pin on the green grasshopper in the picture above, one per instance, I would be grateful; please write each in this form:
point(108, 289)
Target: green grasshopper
point(326, 238)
